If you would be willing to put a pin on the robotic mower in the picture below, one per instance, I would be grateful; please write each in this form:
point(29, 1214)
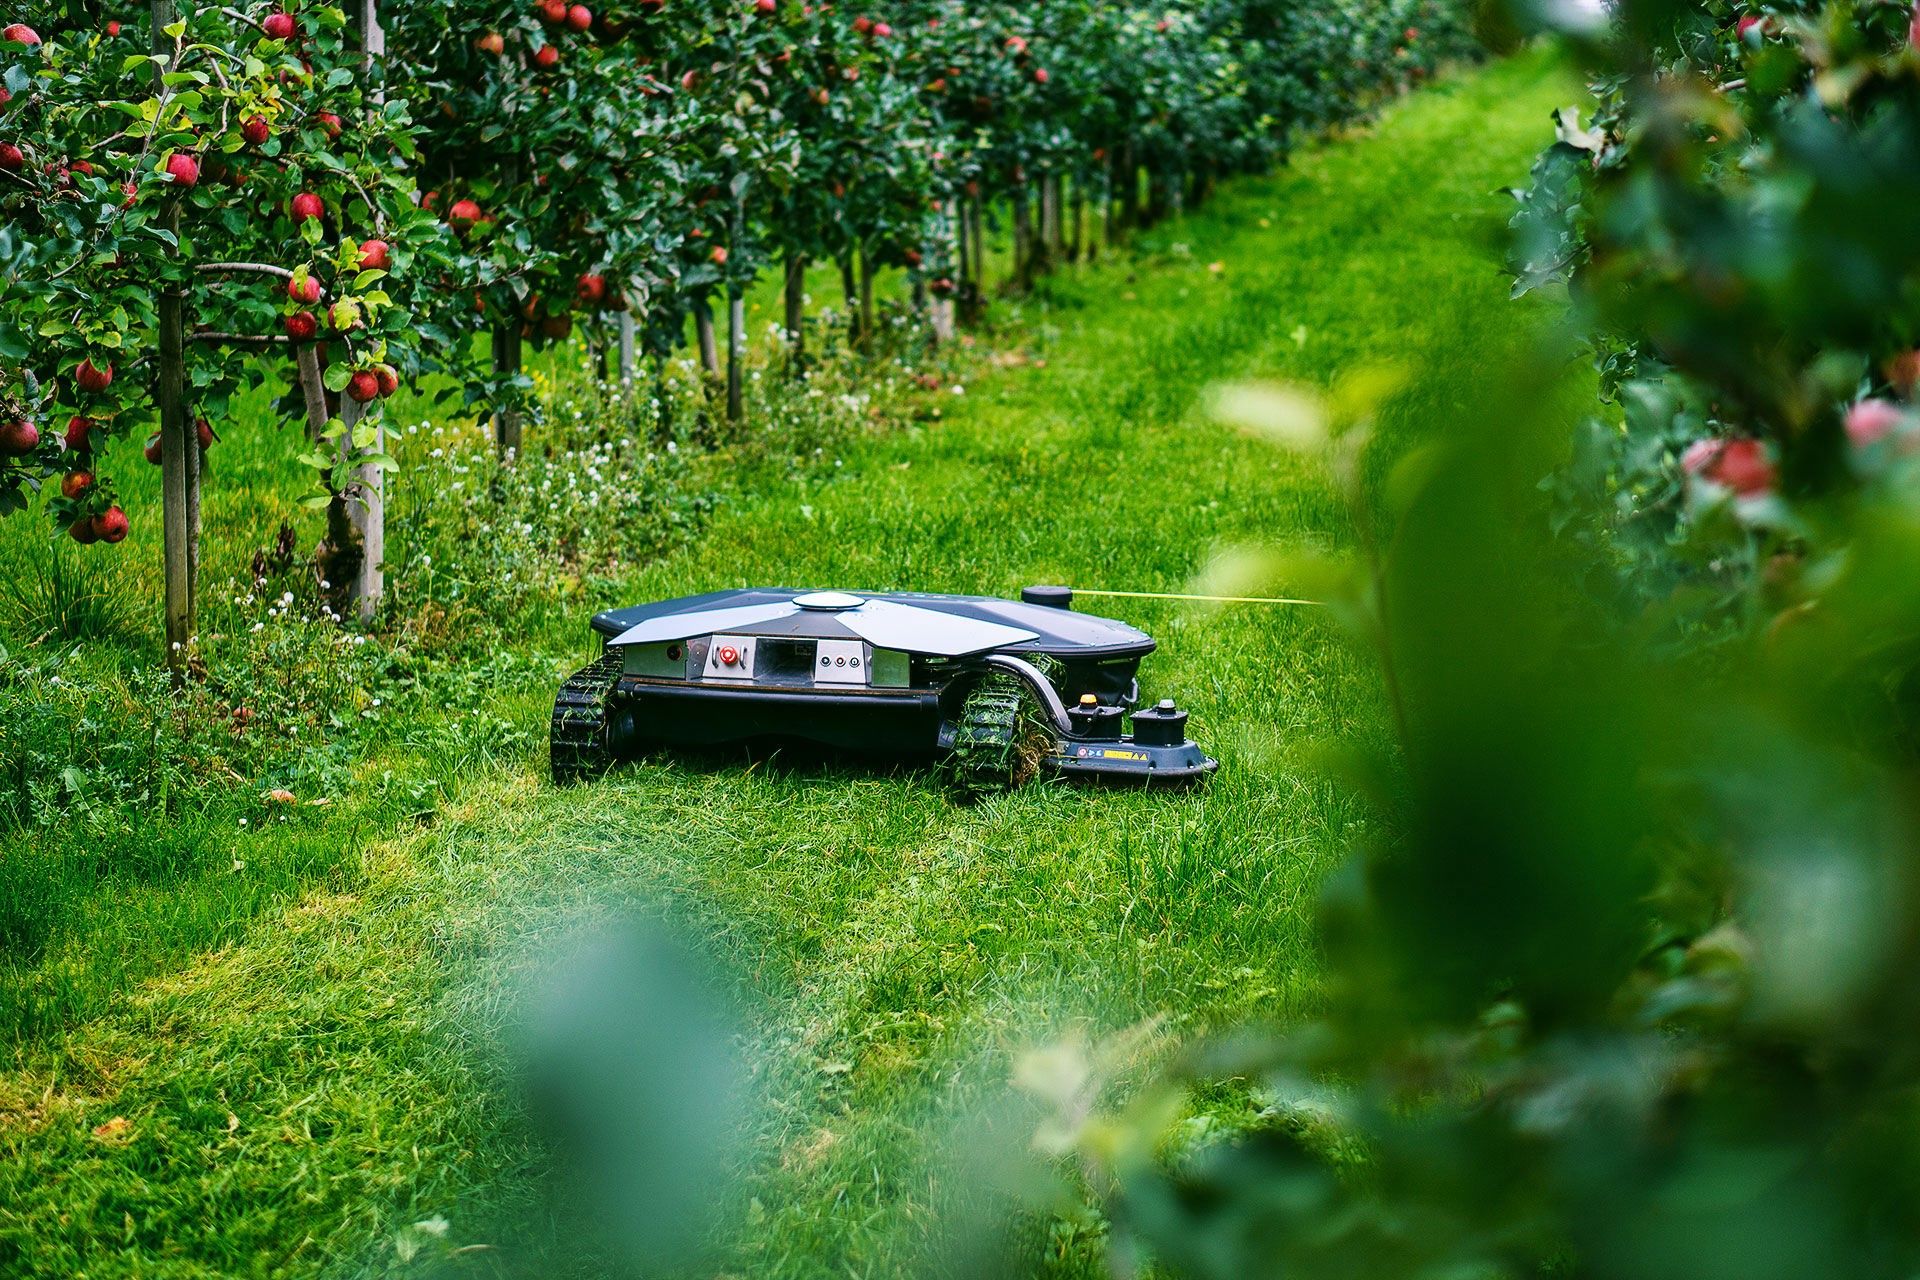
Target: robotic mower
point(1003, 690)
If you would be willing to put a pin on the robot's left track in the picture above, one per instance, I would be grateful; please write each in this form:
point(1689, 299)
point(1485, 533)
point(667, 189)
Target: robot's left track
point(581, 747)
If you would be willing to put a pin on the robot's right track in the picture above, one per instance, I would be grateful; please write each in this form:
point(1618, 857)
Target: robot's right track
point(580, 748)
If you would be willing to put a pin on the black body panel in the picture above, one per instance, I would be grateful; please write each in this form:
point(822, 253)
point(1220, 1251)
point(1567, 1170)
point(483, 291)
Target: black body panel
point(662, 714)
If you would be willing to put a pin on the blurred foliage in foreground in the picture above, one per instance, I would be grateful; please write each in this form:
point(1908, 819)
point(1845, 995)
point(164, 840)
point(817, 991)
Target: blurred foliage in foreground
point(1629, 985)
point(1739, 224)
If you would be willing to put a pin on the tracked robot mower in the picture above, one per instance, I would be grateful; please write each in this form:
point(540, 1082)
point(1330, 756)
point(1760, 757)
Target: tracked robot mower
point(1005, 691)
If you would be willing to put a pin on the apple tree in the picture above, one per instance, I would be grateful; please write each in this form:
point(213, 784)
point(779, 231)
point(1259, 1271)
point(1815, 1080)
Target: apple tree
point(191, 195)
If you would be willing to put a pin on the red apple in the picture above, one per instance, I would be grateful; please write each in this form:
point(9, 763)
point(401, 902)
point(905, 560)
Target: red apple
point(1744, 468)
point(12, 158)
point(75, 483)
point(1872, 421)
point(304, 289)
point(547, 57)
point(592, 289)
point(303, 326)
point(18, 438)
point(388, 377)
point(766, 6)
point(863, 24)
point(881, 31)
point(375, 255)
point(1903, 371)
point(1040, 76)
point(345, 316)
point(363, 386)
point(93, 378)
point(204, 431)
point(689, 80)
point(307, 205)
point(79, 437)
point(183, 169)
point(278, 26)
point(20, 33)
point(111, 526)
point(113, 28)
point(1740, 465)
point(492, 42)
point(463, 214)
point(719, 255)
point(330, 124)
point(256, 131)
point(554, 11)
point(152, 450)
point(579, 17)
point(1748, 23)
point(81, 531)
point(556, 327)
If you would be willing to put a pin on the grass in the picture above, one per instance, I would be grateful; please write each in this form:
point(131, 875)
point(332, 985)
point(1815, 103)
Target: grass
point(320, 1077)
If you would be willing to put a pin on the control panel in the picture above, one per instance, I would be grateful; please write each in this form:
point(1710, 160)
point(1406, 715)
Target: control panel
point(730, 658)
point(840, 662)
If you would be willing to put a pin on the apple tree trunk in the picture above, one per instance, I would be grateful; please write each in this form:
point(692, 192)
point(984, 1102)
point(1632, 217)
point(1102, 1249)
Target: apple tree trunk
point(506, 364)
point(1022, 240)
point(976, 288)
point(736, 353)
point(940, 313)
point(1077, 247)
point(867, 327)
point(703, 330)
point(795, 318)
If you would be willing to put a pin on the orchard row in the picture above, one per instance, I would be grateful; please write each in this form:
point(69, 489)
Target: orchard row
point(364, 191)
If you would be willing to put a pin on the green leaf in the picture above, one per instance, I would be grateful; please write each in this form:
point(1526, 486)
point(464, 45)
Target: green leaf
point(337, 377)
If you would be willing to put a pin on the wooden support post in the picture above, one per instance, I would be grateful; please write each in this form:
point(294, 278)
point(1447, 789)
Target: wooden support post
point(1022, 237)
point(737, 310)
point(940, 314)
point(966, 247)
point(736, 353)
point(867, 326)
point(179, 441)
point(367, 496)
point(629, 355)
point(977, 219)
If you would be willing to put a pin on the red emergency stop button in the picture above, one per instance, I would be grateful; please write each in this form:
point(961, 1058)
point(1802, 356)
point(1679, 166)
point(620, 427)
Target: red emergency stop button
point(729, 656)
